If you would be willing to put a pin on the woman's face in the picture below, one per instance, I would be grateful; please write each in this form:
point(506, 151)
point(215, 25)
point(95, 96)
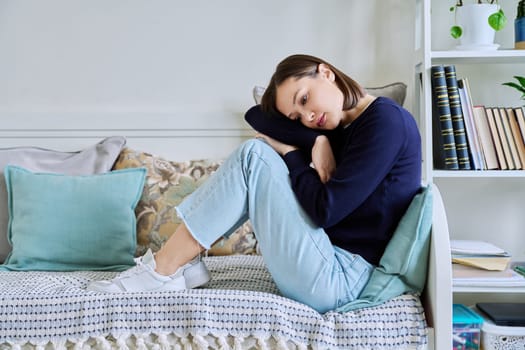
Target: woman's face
point(317, 102)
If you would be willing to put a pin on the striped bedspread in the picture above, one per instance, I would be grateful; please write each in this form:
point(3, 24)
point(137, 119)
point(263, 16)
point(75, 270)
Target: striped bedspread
point(240, 308)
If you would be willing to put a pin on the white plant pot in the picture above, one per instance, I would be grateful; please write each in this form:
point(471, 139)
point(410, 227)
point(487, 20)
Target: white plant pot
point(474, 21)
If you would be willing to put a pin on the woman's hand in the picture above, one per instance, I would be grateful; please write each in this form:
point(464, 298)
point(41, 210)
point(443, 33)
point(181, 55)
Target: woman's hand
point(278, 146)
point(323, 158)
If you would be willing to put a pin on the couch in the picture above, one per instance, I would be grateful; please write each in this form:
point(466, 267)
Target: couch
point(125, 198)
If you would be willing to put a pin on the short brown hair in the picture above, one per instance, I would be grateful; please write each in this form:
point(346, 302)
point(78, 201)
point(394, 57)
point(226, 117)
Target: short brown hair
point(299, 66)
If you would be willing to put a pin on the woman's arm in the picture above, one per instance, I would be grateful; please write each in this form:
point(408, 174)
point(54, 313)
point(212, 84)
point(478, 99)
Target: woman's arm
point(281, 128)
point(323, 158)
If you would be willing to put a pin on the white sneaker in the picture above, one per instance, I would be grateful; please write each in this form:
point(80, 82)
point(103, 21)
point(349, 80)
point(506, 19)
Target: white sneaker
point(143, 277)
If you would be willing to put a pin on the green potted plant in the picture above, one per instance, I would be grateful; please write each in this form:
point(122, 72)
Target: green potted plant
point(476, 23)
point(520, 85)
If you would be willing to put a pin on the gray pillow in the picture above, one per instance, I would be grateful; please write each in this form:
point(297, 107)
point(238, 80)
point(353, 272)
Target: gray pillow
point(98, 158)
point(396, 91)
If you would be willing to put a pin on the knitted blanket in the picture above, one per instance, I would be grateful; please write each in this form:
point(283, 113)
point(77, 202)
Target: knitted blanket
point(240, 308)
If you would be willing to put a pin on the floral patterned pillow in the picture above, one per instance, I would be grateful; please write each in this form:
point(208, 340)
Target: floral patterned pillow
point(167, 184)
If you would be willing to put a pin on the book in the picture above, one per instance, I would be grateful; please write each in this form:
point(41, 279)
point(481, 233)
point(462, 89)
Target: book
point(488, 148)
point(445, 155)
point(519, 268)
point(520, 116)
point(468, 276)
point(472, 135)
point(495, 138)
point(504, 313)
point(484, 262)
point(479, 254)
point(510, 138)
point(456, 114)
point(503, 139)
point(516, 135)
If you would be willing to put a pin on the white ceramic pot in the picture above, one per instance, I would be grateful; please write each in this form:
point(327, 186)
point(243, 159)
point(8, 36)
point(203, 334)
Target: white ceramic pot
point(474, 21)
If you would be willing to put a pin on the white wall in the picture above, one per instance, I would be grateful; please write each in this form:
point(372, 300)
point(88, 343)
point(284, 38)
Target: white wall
point(176, 77)
point(164, 66)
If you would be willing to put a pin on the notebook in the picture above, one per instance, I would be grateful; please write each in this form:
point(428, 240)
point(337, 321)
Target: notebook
point(504, 314)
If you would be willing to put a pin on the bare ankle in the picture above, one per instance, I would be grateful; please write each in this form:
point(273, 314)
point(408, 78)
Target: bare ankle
point(164, 267)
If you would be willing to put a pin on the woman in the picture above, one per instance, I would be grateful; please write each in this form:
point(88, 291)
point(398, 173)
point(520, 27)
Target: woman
point(324, 185)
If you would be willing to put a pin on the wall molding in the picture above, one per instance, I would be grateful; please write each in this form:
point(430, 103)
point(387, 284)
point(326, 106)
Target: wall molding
point(173, 135)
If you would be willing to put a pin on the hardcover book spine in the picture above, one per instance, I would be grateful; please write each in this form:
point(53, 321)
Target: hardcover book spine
point(516, 134)
point(503, 138)
point(491, 118)
point(456, 113)
point(510, 138)
point(520, 116)
point(443, 119)
point(477, 160)
point(485, 137)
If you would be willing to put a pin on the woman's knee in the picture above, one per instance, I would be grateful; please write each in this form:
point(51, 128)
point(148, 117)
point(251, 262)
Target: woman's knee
point(261, 150)
point(256, 145)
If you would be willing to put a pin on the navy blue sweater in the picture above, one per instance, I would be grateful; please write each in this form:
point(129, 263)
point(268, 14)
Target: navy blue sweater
point(378, 173)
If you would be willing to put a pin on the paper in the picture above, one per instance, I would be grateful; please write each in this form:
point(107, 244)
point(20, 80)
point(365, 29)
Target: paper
point(474, 247)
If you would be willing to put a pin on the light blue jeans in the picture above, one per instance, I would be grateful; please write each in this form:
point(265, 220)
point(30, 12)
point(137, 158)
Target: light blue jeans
point(254, 183)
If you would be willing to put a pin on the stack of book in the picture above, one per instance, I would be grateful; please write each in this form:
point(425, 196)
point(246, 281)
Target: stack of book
point(480, 263)
point(473, 137)
point(479, 254)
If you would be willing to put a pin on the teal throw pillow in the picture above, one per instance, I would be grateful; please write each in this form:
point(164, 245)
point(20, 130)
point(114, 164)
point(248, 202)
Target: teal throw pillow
point(403, 266)
point(94, 159)
point(66, 223)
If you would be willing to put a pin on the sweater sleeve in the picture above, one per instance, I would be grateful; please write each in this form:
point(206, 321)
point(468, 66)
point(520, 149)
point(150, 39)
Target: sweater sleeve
point(372, 149)
point(281, 128)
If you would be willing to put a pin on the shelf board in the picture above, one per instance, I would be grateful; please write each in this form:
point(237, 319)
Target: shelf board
point(493, 56)
point(489, 289)
point(478, 173)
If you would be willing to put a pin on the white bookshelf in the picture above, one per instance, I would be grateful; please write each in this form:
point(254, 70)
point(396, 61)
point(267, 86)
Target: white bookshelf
point(425, 57)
